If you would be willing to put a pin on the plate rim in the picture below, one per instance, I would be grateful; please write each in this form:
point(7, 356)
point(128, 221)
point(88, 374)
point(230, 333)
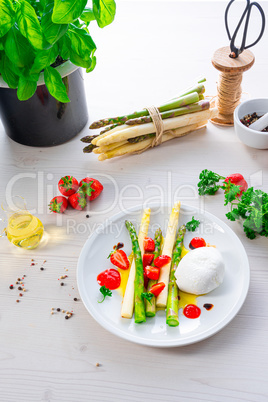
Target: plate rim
point(166, 343)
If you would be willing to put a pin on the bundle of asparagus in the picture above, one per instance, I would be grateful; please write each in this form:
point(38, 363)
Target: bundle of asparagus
point(136, 132)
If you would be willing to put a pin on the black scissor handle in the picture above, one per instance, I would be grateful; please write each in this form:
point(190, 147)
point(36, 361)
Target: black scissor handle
point(234, 50)
point(262, 27)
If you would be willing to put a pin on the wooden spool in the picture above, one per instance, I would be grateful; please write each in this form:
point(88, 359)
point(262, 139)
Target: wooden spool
point(227, 65)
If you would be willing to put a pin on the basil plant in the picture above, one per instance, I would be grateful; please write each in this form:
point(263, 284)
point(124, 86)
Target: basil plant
point(37, 35)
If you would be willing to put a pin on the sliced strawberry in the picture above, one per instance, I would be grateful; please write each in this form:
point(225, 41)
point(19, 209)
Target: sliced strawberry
point(157, 288)
point(91, 187)
point(78, 200)
point(152, 272)
point(119, 259)
point(197, 242)
point(68, 185)
point(148, 244)
point(162, 260)
point(238, 180)
point(58, 204)
point(147, 259)
point(110, 278)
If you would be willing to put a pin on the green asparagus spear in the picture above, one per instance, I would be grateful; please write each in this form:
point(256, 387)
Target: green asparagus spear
point(140, 138)
point(196, 107)
point(139, 309)
point(150, 305)
point(187, 99)
point(88, 138)
point(89, 148)
point(108, 128)
point(172, 318)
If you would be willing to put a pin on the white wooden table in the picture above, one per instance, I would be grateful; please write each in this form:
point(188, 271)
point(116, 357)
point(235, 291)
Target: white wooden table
point(153, 50)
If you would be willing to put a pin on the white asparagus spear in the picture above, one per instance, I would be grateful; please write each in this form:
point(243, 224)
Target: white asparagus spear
point(110, 147)
point(148, 128)
point(128, 301)
point(161, 300)
point(129, 148)
point(96, 139)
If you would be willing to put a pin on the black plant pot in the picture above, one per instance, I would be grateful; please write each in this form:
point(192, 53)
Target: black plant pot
point(42, 121)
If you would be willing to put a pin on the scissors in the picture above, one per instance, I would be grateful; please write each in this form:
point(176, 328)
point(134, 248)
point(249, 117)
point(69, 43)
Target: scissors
point(235, 52)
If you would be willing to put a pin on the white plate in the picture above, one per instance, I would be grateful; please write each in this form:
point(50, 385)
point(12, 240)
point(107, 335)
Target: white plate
point(227, 299)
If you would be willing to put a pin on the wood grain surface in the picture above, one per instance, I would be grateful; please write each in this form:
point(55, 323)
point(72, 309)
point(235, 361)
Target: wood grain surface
point(153, 50)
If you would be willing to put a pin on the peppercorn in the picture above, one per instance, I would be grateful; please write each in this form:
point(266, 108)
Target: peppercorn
point(58, 309)
point(19, 288)
point(17, 301)
point(75, 298)
point(42, 269)
point(66, 317)
point(62, 284)
point(11, 287)
point(20, 294)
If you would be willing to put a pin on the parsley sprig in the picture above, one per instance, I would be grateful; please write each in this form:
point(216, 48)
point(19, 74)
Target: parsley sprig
point(208, 183)
point(148, 296)
point(252, 206)
point(105, 292)
point(192, 225)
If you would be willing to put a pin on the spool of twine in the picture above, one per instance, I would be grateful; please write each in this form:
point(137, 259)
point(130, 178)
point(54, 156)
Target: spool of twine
point(229, 92)
point(229, 83)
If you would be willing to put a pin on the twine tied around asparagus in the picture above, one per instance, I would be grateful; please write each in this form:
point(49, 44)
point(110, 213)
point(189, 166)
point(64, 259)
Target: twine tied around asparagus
point(159, 129)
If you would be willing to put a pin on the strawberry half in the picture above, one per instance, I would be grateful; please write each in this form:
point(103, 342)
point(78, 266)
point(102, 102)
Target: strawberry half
point(91, 187)
point(147, 259)
point(119, 259)
point(78, 200)
point(68, 185)
point(162, 260)
point(58, 204)
point(157, 288)
point(148, 244)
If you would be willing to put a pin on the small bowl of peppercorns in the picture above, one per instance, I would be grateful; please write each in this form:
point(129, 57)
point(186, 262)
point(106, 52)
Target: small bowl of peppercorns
point(244, 115)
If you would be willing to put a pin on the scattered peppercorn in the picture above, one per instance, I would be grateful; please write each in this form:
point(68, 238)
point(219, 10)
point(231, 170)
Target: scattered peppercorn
point(19, 288)
point(97, 364)
point(20, 294)
point(63, 311)
point(62, 284)
point(17, 301)
point(75, 298)
point(18, 279)
point(58, 309)
point(24, 290)
point(32, 263)
point(51, 312)
point(66, 317)
point(17, 283)
point(87, 216)
point(42, 269)
point(11, 287)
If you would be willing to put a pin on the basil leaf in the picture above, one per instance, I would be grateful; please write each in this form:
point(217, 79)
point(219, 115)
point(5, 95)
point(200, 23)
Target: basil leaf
point(79, 61)
point(29, 25)
point(52, 32)
point(55, 85)
point(104, 11)
point(93, 63)
point(67, 11)
point(81, 42)
point(18, 49)
point(44, 58)
point(88, 15)
point(64, 47)
point(7, 72)
point(7, 16)
point(26, 88)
